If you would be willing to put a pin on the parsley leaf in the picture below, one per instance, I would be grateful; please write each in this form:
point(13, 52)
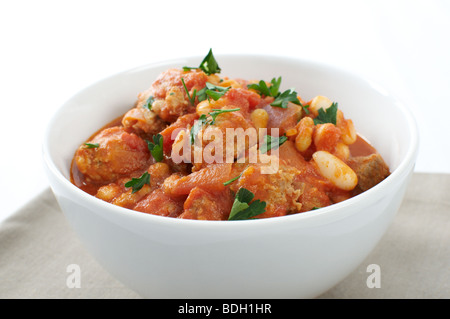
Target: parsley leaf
point(327, 116)
point(156, 147)
point(275, 87)
point(271, 142)
point(149, 102)
point(209, 65)
point(243, 209)
point(212, 91)
point(217, 112)
point(231, 180)
point(284, 98)
point(137, 183)
point(92, 145)
point(203, 120)
point(197, 127)
point(191, 98)
point(281, 99)
point(261, 87)
point(264, 90)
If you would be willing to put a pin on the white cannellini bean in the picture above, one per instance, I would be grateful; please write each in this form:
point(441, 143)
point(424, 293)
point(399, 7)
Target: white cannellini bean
point(305, 132)
point(335, 170)
point(319, 102)
point(204, 107)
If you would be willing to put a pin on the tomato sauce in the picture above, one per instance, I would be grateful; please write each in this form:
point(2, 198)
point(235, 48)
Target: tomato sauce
point(120, 165)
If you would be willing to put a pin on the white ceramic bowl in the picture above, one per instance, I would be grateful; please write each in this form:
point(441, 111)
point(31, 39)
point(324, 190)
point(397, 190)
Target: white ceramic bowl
point(297, 256)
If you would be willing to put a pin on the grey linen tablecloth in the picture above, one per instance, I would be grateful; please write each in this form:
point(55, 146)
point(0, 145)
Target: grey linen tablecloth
point(37, 245)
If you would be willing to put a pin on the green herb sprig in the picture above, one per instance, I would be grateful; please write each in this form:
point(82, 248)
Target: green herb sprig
point(156, 147)
point(137, 183)
point(191, 98)
point(205, 120)
point(281, 99)
point(231, 180)
point(264, 90)
point(243, 207)
point(197, 127)
point(327, 116)
point(272, 143)
point(209, 65)
point(149, 102)
point(212, 91)
point(92, 145)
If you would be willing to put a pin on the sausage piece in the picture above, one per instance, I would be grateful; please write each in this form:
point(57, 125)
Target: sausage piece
point(116, 153)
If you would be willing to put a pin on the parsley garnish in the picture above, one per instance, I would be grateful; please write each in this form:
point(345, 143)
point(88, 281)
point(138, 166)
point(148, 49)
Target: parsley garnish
point(191, 98)
point(197, 127)
point(156, 148)
point(243, 209)
point(209, 91)
point(281, 99)
point(149, 102)
point(271, 142)
point(264, 90)
point(231, 180)
point(92, 145)
point(328, 115)
point(137, 183)
point(216, 112)
point(212, 91)
point(209, 65)
point(203, 120)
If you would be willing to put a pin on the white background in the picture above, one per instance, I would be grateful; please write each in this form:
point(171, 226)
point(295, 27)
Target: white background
point(52, 49)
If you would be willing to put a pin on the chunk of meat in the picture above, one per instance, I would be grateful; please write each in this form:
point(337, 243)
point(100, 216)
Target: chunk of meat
point(290, 156)
point(160, 203)
point(170, 97)
point(206, 205)
point(210, 178)
point(194, 80)
point(170, 133)
point(370, 170)
point(283, 119)
point(218, 143)
point(280, 190)
point(142, 120)
point(173, 106)
point(118, 153)
point(117, 194)
point(313, 197)
point(315, 189)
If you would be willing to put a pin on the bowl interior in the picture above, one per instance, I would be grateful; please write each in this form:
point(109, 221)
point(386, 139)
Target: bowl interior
point(377, 115)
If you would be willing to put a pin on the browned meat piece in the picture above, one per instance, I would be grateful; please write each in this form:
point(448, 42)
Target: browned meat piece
point(370, 170)
point(116, 153)
point(283, 119)
point(142, 120)
point(205, 205)
point(120, 195)
point(279, 190)
point(159, 203)
point(170, 97)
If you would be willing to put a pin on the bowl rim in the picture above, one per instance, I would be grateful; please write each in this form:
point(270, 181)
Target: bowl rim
point(404, 167)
